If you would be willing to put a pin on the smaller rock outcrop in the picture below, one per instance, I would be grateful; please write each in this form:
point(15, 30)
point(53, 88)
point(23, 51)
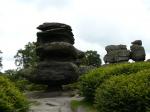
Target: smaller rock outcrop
point(137, 51)
point(116, 53)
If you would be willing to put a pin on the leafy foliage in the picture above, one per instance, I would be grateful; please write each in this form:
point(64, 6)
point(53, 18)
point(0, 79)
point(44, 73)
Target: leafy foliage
point(88, 107)
point(27, 57)
point(125, 93)
point(90, 81)
point(91, 58)
point(11, 99)
point(17, 76)
point(13, 74)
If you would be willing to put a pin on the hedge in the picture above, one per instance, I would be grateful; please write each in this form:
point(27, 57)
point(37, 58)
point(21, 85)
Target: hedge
point(11, 99)
point(90, 81)
point(125, 93)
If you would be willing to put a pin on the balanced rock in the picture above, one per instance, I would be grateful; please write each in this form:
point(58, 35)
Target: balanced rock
point(47, 26)
point(55, 35)
point(58, 57)
point(110, 48)
point(137, 42)
point(137, 51)
point(116, 53)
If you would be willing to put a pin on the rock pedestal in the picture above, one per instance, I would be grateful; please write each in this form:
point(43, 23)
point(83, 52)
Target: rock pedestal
point(116, 53)
point(137, 51)
point(57, 55)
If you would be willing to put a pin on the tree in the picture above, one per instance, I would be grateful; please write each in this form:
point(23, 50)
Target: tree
point(91, 58)
point(13, 74)
point(26, 57)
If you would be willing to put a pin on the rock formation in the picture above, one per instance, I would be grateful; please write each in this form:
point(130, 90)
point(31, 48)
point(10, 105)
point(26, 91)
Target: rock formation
point(137, 51)
point(119, 53)
point(116, 53)
point(57, 55)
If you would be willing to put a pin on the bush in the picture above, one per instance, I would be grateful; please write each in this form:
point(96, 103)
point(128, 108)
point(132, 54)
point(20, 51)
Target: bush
point(90, 81)
point(125, 93)
point(11, 99)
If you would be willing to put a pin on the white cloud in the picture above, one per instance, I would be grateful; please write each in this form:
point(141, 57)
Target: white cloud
point(95, 23)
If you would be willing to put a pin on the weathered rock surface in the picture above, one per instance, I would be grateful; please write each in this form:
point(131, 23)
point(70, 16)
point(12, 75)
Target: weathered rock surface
point(137, 42)
point(55, 35)
point(110, 48)
point(46, 26)
point(55, 73)
point(137, 52)
point(116, 53)
point(58, 57)
point(57, 101)
point(57, 51)
point(119, 53)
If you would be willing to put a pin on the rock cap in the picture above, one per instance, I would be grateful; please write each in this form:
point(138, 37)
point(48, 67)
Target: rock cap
point(137, 42)
point(110, 48)
point(48, 26)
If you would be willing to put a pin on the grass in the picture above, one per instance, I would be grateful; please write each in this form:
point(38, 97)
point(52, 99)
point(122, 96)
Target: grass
point(88, 107)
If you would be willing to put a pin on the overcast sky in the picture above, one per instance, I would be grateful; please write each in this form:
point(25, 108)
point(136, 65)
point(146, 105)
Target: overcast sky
point(95, 23)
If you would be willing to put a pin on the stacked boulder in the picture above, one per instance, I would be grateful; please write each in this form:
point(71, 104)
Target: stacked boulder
point(57, 56)
point(137, 51)
point(116, 53)
point(119, 53)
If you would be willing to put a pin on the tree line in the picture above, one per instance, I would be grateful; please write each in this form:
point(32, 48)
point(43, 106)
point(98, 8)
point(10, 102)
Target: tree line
point(26, 58)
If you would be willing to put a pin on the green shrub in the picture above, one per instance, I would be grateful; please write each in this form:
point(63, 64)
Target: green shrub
point(90, 81)
point(11, 99)
point(77, 104)
point(71, 87)
point(18, 78)
point(125, 93)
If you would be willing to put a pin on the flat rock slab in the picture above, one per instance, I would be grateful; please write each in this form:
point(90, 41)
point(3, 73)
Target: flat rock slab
point(55, 104)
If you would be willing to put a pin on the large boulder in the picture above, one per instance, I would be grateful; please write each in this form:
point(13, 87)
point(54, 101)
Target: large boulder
point(46, 26)
point(137, 53)
point(116, 53)
point(137, 42)
point(117, 56)
point(55, 35)
point(110, 48)
point(57, 50)
point(54, 73)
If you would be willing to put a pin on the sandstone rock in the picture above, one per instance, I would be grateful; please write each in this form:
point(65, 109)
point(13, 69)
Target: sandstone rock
point(47, 26)
point(58, 57)
point(57, 50)
point(110, 48)
point(60, 51)
point(137, 42)
point(137, 53)
point(116, 53)
point(55, 73)
point(55, 35)
point(117, 56)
